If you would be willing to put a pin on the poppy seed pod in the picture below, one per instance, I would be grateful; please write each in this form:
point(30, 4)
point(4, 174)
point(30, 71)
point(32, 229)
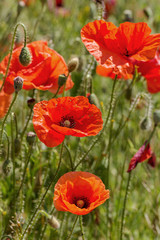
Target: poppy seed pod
point(62, 80)
point(18, 84)
point(156, 116)
point(25, 56)
point(73, 64)
point(30, 138)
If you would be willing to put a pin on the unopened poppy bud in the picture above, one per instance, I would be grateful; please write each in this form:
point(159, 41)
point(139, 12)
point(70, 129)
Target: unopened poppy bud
point(30, 138)
point(53, 222)
point(145, 124)
point(62, 80)
point(156, 116)
point(31, 103)
point(128, 16)
point(73, 64)
point(18, 84)
point(25, 56)
point(7, 167)
point(17, 146)
point(93, 99)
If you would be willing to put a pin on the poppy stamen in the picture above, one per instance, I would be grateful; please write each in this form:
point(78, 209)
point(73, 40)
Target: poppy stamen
point(80, 203)
point(67, 122)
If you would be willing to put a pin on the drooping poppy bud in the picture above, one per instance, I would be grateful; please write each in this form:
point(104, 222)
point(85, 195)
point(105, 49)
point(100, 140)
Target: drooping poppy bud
point(156, 116)
point(62, 80)
point(73, 64)
point(30, 138)
point(25, 56)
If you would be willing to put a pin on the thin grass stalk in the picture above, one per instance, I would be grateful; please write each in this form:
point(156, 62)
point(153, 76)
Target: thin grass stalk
point(44, 195)
point(70, 235)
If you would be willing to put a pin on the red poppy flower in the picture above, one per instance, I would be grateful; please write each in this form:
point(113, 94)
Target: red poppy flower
point(79, 193)
point(151, 71)
point(5, 101)
point(144, 153)
point(117, 47)
point(73, 116)
point(109, 72)
point(42, 73)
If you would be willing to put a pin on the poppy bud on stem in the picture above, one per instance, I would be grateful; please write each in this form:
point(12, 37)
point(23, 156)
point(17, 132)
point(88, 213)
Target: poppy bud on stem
point(73, 64)
point(12, 46)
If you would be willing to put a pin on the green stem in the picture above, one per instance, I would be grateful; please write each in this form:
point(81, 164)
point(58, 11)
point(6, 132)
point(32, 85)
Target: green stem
point(38, 20)
point(13, 160)
point(105, 124)
point(25, 127)
point(124, 206)
point(70, 157)
point(70, 235)
point(56, 92)
point(81, 226)
point(24, 171)
point(12, 46)
point(10, 107)
point(44, 195)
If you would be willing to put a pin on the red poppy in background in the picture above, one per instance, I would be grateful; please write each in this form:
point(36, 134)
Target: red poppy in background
point(43, 71)
point(5, 101)
point(109, 72)
point(117, 48)
point(79, 193)
point(151, 71)
point(56, 118)
point(144, 153)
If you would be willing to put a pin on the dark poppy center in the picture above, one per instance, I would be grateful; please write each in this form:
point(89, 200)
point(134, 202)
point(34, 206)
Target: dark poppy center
point(81, 202)
point(67, 122)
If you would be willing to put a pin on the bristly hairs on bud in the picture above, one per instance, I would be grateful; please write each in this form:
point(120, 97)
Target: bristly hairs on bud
point(25, 57)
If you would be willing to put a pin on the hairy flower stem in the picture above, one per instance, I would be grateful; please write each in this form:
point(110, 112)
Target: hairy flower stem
point(70, 157)
point(12, 46)
point(5, 118)
point(24, 171)
point(111, 106)
point(44, 195)
point(81, 226)
point(70, 235)
point(13, 160)
point(124, 205)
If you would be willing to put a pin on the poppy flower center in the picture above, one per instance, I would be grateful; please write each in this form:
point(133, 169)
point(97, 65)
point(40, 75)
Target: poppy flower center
point(81, 202)
point(67, 122)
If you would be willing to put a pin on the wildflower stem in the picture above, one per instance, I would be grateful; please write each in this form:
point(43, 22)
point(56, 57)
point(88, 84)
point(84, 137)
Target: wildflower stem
point(24, 171)
point(13, 159)
point(70, 235)
point(124, 206)
point(70, 157)
point(5, 118)
point(56, 92)
point(12, 46)
point(25, 127)
point(111, 106)
point(44, 195)
point(81, 226)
